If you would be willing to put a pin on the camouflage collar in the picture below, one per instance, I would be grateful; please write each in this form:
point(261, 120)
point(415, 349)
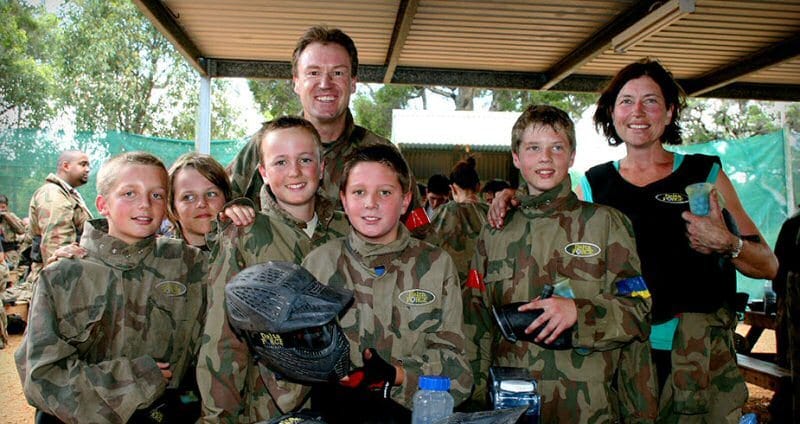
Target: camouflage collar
point(375, 255)
point(55, 179)
point(322, 206)
point(111, 250)
point(556, 199)
point(344, 137)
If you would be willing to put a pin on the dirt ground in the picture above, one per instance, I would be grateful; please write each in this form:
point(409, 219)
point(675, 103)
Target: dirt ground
point(15, 410)
point(14, 406)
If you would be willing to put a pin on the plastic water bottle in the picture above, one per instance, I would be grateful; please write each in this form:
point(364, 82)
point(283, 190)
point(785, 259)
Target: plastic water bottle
point(750, 418)
point(770, 300)
point(432, 402)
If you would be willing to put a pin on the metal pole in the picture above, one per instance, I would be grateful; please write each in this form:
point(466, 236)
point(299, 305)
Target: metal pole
point(202, 141)
point(788, 142)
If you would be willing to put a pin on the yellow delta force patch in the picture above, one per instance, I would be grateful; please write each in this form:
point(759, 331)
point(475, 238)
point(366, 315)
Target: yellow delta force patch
point(673, 198)
point(171, 288)
point(582, 249)
point(417, 297)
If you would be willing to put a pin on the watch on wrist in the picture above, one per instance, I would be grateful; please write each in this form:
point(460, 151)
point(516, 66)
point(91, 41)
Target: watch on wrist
point(738, 249)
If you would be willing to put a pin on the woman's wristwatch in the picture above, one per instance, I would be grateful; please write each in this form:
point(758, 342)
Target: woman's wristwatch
point(734, 253)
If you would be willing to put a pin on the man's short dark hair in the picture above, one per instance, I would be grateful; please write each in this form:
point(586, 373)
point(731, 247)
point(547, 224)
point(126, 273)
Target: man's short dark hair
point(323, 34)
point(3, 199)
point(495, 185)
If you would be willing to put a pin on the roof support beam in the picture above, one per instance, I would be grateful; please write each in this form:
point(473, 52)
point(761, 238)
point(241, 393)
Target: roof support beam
point(402, 26)
point(225, 68)
point(596, 44)
point(165, 21)
point(764, 58)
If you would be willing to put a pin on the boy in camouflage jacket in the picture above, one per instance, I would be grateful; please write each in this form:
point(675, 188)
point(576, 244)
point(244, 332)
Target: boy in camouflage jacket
point(590, 249)
point(407, 313)
point(115, 331)
point(294, 219)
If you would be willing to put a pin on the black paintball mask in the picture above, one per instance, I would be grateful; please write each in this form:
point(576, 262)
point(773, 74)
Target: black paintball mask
point(289, 321)
point(513, 323)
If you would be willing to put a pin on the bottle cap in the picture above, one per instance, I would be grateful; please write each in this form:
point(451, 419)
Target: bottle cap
point(517, 386)
point(434, 382)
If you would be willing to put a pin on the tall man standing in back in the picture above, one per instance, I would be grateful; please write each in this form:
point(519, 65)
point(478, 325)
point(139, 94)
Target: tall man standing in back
point(324, 74)
point(57, 211)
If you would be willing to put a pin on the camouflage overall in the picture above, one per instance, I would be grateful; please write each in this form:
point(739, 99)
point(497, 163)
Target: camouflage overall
point(407, 306)
point(555, 238)
point(102, 322)
point(233, 386)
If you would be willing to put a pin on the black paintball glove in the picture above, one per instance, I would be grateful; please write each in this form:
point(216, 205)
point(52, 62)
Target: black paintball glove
point(376, 375)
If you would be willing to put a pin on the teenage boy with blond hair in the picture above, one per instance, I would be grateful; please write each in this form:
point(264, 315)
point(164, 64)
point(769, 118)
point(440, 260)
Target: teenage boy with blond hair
point(116, 331)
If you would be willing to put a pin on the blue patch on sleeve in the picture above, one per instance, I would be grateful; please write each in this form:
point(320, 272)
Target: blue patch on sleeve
point(380, 270)
point(633, 287)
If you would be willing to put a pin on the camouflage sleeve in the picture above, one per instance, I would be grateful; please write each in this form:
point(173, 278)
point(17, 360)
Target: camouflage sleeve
point(242, 169)
point(223, 358)
point(58, 381)
point(478, 325)
point(621, 312)
point(444, 352)
point(56, 219)
point(14, 222)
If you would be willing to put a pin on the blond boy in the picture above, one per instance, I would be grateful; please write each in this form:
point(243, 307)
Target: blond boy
point(116, 331)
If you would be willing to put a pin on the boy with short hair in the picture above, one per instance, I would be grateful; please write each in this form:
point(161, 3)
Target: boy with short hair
point(406, 320)
point(590, 250)
point(295, 217)
point(115, 331)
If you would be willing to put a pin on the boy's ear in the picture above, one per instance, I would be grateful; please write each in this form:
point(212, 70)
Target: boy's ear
point(406, 202)
point(263, 172)
point(101, 204)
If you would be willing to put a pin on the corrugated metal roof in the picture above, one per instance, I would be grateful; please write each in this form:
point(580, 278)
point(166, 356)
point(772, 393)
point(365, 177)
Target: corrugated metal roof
point(725, 48)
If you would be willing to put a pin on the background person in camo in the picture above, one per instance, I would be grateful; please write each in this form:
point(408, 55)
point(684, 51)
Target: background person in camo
point(295, 217)
point(588, 252)
point(488, 191)
point(324, 74)
point(5, 279)
point(12, 230)
point(457, 224)
point(437, 193)
point(57, 211)
point(406, 320)
point(116, 331)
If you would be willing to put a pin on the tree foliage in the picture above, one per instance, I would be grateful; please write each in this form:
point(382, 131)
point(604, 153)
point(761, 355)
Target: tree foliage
point(111, 62)
point(275, 98)
point(25, 82)
point(115, 71)
point(374, 111)
point(715, 119)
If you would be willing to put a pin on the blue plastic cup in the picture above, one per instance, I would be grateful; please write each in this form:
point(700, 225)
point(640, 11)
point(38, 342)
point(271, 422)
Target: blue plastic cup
point(699, 198)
